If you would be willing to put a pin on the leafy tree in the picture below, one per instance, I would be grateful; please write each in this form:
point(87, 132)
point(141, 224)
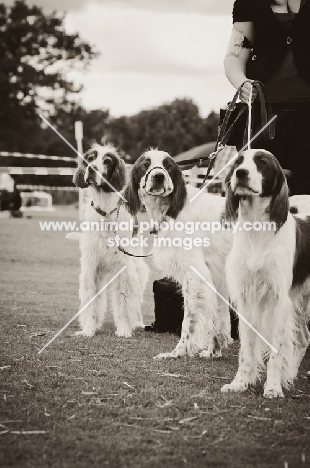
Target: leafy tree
point(210, 127)
point(35, 54)
point(95, 122)
point(174, 127)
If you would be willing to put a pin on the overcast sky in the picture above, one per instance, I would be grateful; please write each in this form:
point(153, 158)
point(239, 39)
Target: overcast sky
point(152, 51)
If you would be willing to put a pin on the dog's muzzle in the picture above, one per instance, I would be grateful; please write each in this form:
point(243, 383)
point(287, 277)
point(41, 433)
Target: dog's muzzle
point(154, 181)
point(242, 182)
point(91, 175)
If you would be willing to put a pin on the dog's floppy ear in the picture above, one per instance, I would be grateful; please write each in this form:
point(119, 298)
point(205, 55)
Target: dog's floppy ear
point(118, 178)
point(178, 197)
point(279, 205)
point(131, 191)
point(78, 177)
point(231, 200)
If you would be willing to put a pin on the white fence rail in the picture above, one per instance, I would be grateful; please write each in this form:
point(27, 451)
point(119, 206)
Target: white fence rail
point(70, 195)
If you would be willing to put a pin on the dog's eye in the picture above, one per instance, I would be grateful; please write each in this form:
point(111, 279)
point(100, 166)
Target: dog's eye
point(167, 165)
point(107, 161)
point(146, 165)
point(262, 162)
point(238, 161)
point(91, 156)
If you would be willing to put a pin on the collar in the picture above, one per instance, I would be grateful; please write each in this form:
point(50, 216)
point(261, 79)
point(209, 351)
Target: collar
point(102, 212)
point(157, 227)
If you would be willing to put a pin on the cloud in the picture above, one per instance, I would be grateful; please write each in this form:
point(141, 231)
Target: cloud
point(128, 94)
point(205, 7)
point(148, 58)
point(141, 42)
point(130, 42)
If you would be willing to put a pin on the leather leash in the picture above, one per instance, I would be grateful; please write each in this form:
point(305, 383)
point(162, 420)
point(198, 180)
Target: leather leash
point(224, 132)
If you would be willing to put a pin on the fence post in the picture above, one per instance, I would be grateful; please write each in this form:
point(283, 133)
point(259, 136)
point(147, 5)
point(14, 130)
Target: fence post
point(78, 127)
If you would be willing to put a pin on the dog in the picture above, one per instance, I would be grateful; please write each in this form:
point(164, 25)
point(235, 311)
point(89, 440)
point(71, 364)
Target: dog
point(156, 181)
point(268, 273)
point(100, 260)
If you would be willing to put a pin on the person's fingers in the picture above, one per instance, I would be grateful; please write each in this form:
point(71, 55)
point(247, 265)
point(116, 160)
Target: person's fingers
point(245, 94)
point(246, 88)
point(245, 100)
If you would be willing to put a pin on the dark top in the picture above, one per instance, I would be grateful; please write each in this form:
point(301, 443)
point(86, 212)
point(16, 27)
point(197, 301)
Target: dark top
point(273, 41)
point(284, 83)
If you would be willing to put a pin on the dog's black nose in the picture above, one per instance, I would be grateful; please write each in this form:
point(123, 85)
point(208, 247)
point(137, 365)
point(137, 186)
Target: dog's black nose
point(159, 177)
point(241, 173)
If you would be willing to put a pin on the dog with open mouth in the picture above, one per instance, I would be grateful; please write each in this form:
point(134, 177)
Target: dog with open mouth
point(103, 173)
point(157, 182)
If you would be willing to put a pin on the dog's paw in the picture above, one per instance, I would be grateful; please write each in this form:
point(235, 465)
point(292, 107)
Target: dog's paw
point(228, 341)
point(209, 353)
point(234, 387)
point(172, 355)
point(213, 351)
point(123, 333)
point(273, 391)
point(84, 333)
point(139, 324)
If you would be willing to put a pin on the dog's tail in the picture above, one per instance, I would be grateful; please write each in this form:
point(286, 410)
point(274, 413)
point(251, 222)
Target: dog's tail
point(74, 236)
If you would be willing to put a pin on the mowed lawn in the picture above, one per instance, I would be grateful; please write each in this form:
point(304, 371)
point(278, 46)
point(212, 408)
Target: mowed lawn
point(104, 401)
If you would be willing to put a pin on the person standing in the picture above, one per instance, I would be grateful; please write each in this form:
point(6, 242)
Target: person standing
point(270, 42)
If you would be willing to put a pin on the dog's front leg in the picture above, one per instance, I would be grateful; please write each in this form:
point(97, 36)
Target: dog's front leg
point(126, 302)
point(302, 338)
point(223, 324)
point(301, 348)
point(88, 319)
point(280, 366)
point(142, 277)
point(273, 388)
point(197, 327)
point(247, 365)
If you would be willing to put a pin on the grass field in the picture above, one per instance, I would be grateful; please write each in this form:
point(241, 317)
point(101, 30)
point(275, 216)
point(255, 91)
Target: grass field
point(104, 401)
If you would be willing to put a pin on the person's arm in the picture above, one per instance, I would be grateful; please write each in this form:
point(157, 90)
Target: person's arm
point(237, 55)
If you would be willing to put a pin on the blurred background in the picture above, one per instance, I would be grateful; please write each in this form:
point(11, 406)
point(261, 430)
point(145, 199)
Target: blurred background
point(138, 73)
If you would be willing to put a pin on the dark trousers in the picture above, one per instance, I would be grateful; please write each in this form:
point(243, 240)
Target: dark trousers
point(291, 146)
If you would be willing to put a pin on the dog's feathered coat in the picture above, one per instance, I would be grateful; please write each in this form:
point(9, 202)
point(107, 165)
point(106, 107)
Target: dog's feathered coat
point(157, 182)
point(268, 273)
point(99, 262)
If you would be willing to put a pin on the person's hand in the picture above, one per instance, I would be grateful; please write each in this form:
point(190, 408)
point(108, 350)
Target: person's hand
point(246, 92)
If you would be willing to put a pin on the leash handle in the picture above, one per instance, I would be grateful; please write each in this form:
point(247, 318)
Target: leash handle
point(224, 133)
point(265, 107)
